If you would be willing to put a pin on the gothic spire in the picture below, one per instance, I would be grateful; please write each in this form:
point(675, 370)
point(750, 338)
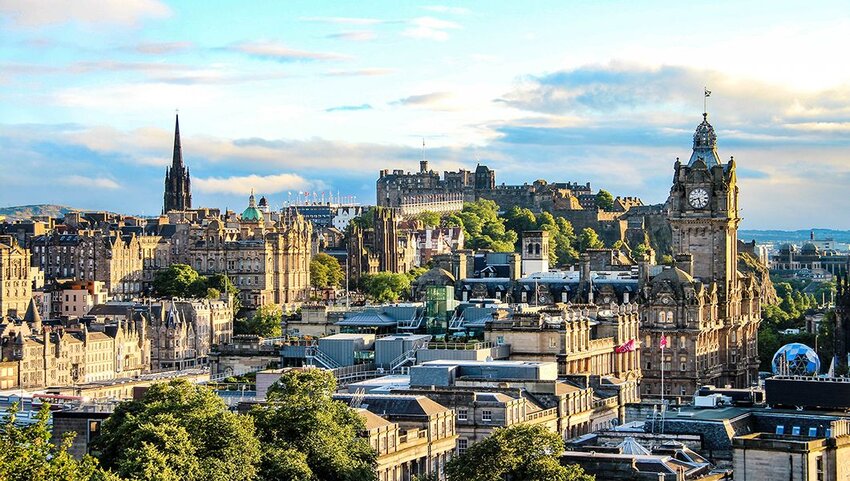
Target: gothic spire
point(177, 159)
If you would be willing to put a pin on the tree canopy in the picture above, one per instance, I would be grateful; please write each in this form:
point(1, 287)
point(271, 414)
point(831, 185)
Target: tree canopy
point(386, 286)
point(181, 280)
point(325, 271)
point(26, 453)
point(266, 322)
point(305, 432)
point(178, 431)
point(589, 239)
point(518, 453)
point(483, 227)
point(604, 200)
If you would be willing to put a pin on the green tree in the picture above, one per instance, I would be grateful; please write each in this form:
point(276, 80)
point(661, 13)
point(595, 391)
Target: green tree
point(429, 219)
point(366, 219)
point(266, 322)
point(177, 280)
point(604, 200)
point(519, 220)
point(325, 271)
point(589, 239)
point(178, 431)
point(301, 417)
point(386, 286)
point(666, 260)
point(518, 453)
point(640, 251)
point(26, 453)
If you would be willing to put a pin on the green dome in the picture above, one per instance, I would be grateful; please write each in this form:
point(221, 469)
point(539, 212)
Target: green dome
point(251, 214)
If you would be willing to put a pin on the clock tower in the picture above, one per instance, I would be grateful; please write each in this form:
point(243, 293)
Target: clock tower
point(703, 212)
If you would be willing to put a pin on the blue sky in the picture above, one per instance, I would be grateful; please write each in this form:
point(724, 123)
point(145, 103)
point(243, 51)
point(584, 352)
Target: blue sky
point(318, 96)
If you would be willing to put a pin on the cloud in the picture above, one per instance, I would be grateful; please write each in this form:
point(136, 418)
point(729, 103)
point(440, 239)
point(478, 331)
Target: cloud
point(276, 51)
point(268, 184)
point(446, 9)
point(159, 48)
point(347, 108)
point(363, 72)
point(345, 20)
point(429, 28)
point(92, 182)
point(423, 99)
point(39, 13)
point(354, 36)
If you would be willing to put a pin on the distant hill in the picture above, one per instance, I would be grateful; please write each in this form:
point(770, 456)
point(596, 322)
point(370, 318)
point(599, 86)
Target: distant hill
point(767, 236)
point(26, 211)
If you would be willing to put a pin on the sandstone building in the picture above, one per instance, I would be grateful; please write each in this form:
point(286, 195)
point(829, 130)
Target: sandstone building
point(708, 311)
point(15, 277)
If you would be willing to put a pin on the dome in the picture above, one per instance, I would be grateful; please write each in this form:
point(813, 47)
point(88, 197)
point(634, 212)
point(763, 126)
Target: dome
point(705, 145)
point(809, 249)
point(251, 214)
point(795, 359)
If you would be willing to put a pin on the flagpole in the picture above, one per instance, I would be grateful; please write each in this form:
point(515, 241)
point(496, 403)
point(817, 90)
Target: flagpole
point(663, 345)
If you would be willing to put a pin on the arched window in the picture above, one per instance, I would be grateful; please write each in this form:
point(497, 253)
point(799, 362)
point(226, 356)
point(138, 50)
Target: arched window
point(531, 248)
point(537, 248)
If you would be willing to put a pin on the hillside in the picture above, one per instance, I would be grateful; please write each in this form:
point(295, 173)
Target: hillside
point(26, 211)
point(767, 236)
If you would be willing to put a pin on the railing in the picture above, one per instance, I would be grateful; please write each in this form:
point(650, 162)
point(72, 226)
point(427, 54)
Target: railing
point(456, 322)
point(404, 358)
point(605, 403)
point(313, 353)
point(412, 323)
point(461, 346)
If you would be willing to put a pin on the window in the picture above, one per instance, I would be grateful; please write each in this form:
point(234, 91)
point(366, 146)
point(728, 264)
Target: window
point(819, 468)
point(462, 444)
point(462, 414)
point(486, 415)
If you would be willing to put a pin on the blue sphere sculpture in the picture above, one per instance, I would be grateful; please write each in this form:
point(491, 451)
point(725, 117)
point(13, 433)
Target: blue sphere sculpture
point(796, 359)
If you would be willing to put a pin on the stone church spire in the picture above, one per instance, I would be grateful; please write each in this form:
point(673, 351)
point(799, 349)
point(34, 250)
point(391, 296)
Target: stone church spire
point(178, 192)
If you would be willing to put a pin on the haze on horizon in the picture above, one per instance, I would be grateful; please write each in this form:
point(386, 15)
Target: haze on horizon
point(316, 96)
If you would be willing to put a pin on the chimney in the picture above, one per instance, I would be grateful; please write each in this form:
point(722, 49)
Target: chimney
point(685, 262)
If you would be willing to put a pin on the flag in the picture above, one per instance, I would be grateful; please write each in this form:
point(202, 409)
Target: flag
point(663, 342)
point(628, 346)
point(707, 93)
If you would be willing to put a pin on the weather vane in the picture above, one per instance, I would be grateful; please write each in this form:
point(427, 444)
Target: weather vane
point(705, 100)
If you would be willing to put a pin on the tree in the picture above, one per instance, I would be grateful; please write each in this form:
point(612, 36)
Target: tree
point(325, 271)
point(366, 220)
point(266, 322)
point(604, 200)
point(301, 417)
point(386, 286)
point(518, 453)
point(178, 431)
point(26, 453)
point(520, 220)
point(589, 239)
point(640, 251)
point(429, 219)
point(177, 280)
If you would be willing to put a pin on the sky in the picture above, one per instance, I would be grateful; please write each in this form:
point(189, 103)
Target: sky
point(318, 96)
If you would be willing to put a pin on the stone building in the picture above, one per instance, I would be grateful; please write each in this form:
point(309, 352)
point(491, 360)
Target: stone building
point(842, 321)
point(178, 191)
point(267, 260)
point(412, 435)
point(15, 277)
point(56, 356)
point(92, 255)
point(706, 309)
point(390, 246)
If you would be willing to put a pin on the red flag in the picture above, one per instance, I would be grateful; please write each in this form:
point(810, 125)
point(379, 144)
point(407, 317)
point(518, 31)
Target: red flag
point(628, 346)
point(663, 342)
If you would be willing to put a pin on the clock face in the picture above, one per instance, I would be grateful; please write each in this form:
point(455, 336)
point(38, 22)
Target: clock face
point(698, 198)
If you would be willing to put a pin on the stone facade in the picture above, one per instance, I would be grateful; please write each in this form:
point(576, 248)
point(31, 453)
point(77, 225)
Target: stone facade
point(707, 310)
point(15, 277)
point(55, 356)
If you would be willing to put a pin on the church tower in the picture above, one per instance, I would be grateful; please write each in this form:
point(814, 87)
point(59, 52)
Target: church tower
point(178, 193)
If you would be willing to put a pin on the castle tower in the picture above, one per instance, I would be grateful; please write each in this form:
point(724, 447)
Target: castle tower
point(178, 193)
point(535, 252)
